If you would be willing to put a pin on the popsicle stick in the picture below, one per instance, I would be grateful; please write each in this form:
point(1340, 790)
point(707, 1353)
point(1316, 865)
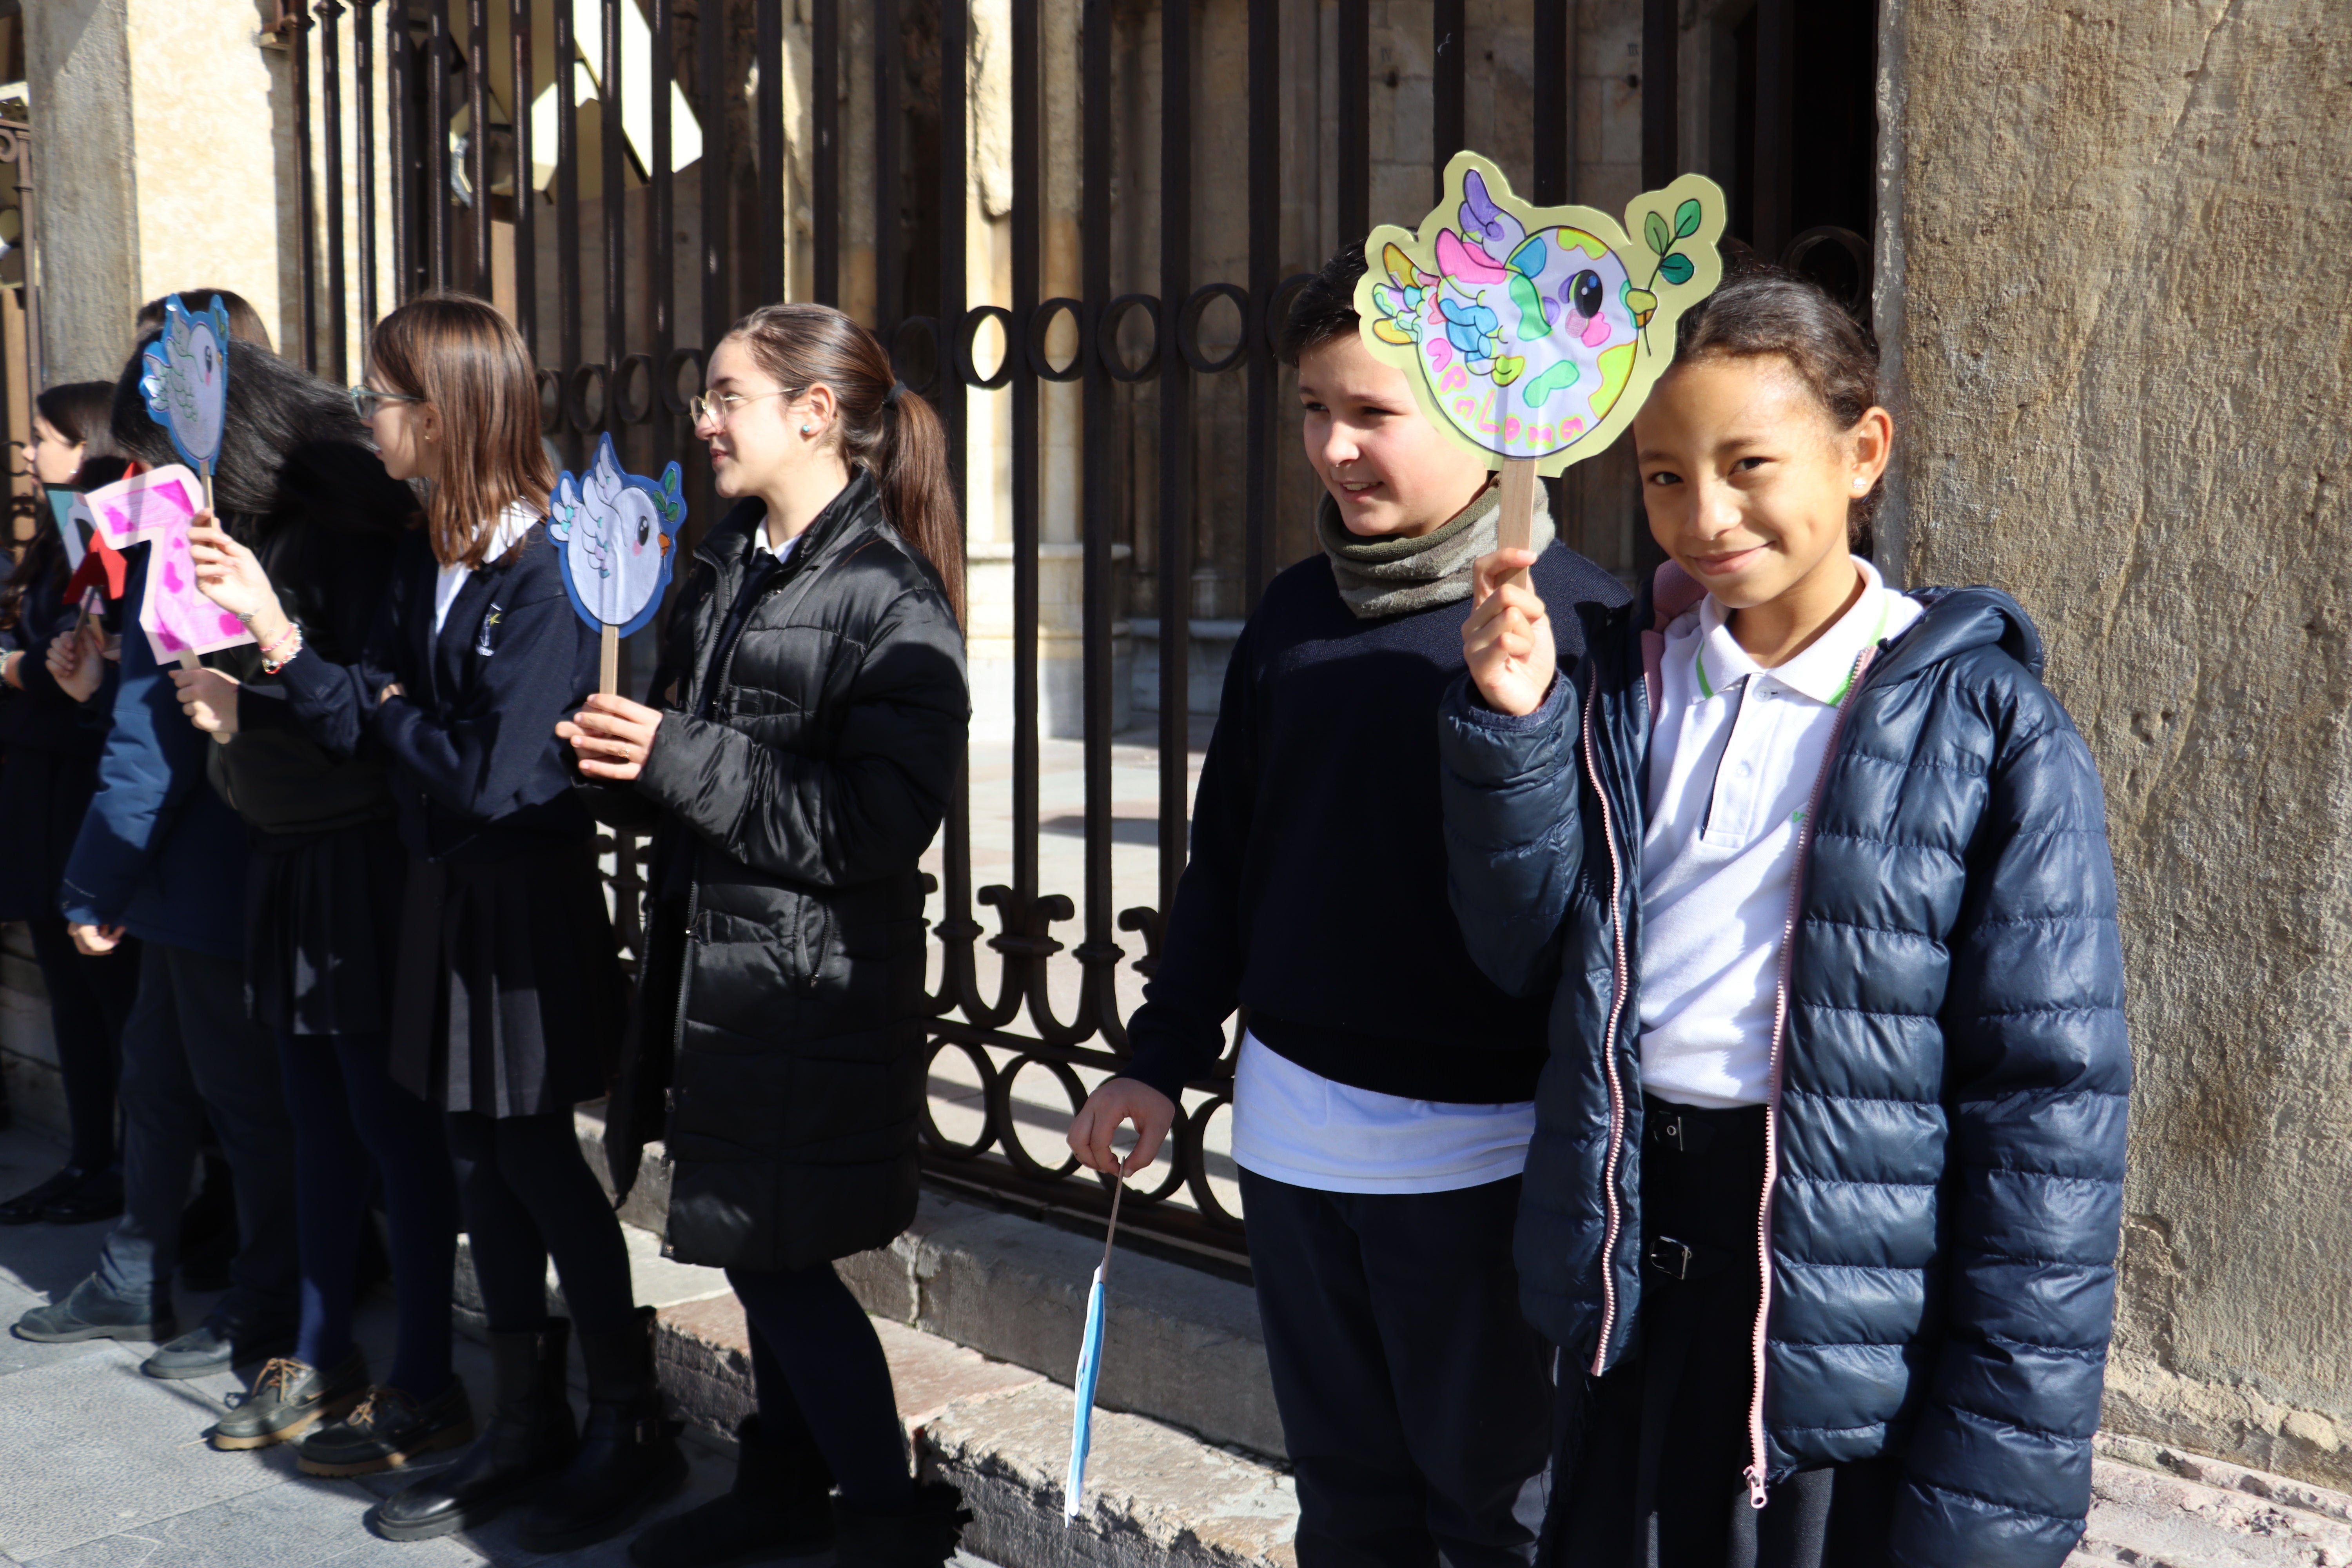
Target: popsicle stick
point(608, 659)
point(188, 660)
point(1516, 523)
point(1118, 1190)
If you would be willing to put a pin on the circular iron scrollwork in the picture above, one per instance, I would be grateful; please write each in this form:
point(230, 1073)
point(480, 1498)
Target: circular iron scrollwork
point(1188, 327)
point(1106, 337)
point(1278, 308)
point(939, 1142)
point(930, 329)
point(1000, 1110)
point(575, 396)
point(679, 359)
point(633, 412)
point(1195, 1128)
point(1041, 321)
point(966, 367)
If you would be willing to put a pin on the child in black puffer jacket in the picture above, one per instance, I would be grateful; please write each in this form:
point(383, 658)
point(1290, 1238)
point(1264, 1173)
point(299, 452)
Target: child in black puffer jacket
point(1826, 1183)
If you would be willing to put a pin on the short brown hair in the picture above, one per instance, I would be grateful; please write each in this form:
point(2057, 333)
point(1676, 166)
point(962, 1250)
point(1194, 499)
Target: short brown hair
point(460, 355)
point(1760, 311)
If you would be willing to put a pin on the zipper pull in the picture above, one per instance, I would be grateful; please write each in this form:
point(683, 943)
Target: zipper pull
point(1755, 1477)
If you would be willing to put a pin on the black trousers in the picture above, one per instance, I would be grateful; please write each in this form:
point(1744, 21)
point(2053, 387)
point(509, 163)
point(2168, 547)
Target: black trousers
point(1651, 1458)
point(1415, 1401)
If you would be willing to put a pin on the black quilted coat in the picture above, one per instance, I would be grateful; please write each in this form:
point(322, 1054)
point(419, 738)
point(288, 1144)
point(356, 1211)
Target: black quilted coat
point(1951, 1082)
point(782, 1004)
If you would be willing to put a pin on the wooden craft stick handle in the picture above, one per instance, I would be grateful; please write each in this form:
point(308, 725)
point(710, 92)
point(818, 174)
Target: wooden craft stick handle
point(1515, 523)
point(608, 660)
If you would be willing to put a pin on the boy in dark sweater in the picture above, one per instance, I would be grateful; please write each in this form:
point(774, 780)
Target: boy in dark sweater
point(1383, 1088)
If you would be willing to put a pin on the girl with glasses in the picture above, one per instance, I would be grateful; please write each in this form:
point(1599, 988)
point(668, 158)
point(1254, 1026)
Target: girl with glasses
point(508, 984)
point(811, 719)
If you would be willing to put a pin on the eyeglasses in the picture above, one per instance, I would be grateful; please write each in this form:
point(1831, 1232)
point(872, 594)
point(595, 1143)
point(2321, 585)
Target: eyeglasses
point(365, 398)
point(719, 407)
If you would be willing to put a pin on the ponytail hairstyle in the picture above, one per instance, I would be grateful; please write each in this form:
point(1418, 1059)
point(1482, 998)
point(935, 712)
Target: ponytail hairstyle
point(1765, 311)
point(78, 411)
point(459, 354)
point(888, 431)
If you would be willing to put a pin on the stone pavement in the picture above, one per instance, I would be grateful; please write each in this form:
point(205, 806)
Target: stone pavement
point(105, 1467)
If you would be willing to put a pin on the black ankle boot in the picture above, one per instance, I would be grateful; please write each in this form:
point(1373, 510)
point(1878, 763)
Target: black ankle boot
point(922, 1535)
point(781, 1506)
point(529, 1438)
point(628, 1459)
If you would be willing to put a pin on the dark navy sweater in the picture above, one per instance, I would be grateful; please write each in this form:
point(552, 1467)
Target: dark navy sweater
point(478, 773)
point(1315, 892)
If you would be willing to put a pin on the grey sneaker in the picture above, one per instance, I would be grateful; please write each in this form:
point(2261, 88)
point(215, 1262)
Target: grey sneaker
point(289, 1399)
point(216, 1344)
point(90, 1313)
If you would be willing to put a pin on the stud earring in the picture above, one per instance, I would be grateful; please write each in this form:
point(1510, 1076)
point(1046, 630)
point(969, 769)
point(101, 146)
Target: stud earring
point(807, 429)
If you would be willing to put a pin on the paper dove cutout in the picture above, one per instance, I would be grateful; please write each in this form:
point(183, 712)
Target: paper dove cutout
point(1536, 332)
point(184, 378)
point(619, 533)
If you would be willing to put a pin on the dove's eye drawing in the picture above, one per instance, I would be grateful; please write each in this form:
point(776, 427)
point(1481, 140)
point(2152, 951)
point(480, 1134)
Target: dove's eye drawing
point(1585, 293)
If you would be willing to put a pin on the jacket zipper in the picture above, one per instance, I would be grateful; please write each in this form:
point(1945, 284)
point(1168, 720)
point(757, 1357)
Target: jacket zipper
point(1609, 1052)
point(1755, 1344)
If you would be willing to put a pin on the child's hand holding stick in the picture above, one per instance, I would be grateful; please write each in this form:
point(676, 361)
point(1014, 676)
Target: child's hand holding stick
point(1121, 1099)
point(1506, 642)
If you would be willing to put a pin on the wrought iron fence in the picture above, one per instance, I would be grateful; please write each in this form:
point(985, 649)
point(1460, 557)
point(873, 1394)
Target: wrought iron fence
point(447, 221)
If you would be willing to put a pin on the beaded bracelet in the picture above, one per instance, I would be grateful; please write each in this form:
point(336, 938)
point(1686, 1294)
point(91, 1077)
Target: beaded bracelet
point(270, 663)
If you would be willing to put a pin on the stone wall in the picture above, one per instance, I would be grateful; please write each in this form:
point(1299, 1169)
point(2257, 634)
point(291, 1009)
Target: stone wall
point(2115, 279)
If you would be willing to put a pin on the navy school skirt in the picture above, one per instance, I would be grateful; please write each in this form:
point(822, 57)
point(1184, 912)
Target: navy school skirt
point(322, 928)
point(509, 997)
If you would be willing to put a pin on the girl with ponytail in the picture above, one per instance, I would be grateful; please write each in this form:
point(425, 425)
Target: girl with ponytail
point(809, 719)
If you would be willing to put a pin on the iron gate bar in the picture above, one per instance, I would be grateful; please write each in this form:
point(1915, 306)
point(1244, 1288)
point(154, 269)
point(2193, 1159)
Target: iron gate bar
point(1099, 955)
point(1660, 69)
point(478, 137)
point(363, 146)
point(330, 67)
point(1264, 265)
point(1355, 120)
point(661, 278)
point(526, 196)
point(295, 22)
point(769, 205)
point(438, 47)
point(1775, 23)
point(400, 116)
point(1175, 441)
point(567, 212)
point(1553, 105)
point(889, 226)
point(1028, 213)
point(1448, 53)
point(612, 144)
point(825, 237)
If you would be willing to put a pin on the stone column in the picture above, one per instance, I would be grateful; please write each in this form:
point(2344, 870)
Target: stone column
point(2115, 288)
point(78, 76)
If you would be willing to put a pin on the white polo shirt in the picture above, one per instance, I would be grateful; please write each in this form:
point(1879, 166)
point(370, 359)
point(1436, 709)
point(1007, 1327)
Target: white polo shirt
point(1733, 761)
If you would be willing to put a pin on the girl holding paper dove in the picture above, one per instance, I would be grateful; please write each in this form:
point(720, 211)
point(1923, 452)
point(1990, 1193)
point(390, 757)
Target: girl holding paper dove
point(811, 719)
point(50, 737)
point(1826, 1183)
point(506, 990)
point(303, 498)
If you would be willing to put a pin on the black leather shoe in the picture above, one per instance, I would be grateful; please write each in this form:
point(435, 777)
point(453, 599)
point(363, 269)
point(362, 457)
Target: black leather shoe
point(90, 1313)
point(289, 1399)
point(389, 1431)
point(26, 1207)
point(216, 1344)
point(781, 1506)
point(923, 1535)
point(98, 1196)
point(528, 1439)
point(628, 1460)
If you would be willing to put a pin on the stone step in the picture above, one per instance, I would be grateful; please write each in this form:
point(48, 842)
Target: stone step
point(1156, 1497)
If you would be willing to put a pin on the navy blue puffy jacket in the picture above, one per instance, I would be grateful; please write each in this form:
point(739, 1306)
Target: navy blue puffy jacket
point(1951, 1083)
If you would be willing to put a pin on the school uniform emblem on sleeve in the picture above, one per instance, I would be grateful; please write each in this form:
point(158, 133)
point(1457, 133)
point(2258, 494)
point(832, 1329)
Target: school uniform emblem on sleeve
point(482, 643)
